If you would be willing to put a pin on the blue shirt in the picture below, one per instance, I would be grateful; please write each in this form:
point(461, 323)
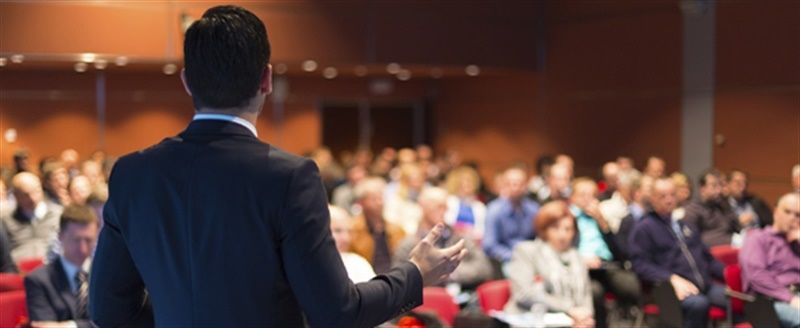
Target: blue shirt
point(506, 225)
point(72, 273)
point(591, 239)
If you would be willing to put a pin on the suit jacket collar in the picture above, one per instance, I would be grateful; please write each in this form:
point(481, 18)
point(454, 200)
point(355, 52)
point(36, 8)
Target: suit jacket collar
point(59, 278)
point(215, 128)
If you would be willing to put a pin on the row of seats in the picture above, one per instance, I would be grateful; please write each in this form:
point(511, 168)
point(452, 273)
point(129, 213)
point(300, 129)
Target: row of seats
point(13, 309)
point(493, 296)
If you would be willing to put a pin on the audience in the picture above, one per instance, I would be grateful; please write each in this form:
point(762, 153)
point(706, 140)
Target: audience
point(598, 249)
point(7, 264)
point(57, 294)
point(664, 250)
point(770, 260)
point(33, 226)
point(549, 270)
point(557, 187)
point(401, 195)
point(537, 182)
point(465, 213)
point(587, 239)
point(683, 193)
point(474, 268)
point(56, 184)
point(655, 167)
point(508, 218)
point(344, 195)
point(610, 177)
point(750, 208)
point(358, 269)
point(374, 238)
point(711, 214)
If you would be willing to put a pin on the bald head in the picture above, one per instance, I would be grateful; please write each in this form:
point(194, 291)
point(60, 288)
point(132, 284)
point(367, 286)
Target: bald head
point(662, 196)
point(27, 190)
point(787, 214)
point(796, 177)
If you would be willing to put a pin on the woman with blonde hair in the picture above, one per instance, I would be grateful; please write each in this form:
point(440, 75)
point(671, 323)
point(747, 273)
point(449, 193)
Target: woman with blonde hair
point(465, 212)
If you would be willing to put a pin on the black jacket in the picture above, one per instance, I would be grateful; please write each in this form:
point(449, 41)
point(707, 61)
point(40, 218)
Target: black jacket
point(49, 296)
point(223, 230)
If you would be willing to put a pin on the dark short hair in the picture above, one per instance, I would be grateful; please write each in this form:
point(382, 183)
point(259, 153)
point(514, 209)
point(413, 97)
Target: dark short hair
point(709, 172)
point(77, 214)
point(225, 53)
point(549, 215)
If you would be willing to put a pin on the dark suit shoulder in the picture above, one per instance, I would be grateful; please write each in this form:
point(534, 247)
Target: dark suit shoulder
point(43, 275)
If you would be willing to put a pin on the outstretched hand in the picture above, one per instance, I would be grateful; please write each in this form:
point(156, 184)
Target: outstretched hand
point(435, 264)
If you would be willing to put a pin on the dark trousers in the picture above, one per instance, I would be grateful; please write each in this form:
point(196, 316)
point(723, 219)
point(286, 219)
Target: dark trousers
point(622, 283)
point(695, 308)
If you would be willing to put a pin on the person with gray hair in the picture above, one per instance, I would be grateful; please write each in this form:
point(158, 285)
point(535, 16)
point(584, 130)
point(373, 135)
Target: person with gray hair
point(33, 226)
point(374, 238)
point(475, 267)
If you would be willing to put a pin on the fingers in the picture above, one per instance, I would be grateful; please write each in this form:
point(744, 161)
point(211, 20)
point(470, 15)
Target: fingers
point(433, 236)
point(454, 250)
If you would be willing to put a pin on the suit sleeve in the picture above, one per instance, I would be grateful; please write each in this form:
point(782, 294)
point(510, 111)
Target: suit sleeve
point(116, 290)
point(315, 270)
point(39, 308)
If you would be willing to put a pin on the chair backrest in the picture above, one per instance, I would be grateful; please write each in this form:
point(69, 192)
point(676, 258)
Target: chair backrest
point(11, 282)
point(493, 295)
point(437, 300)
point(726, 254)
point(28, 265)
point(733, 278)
point(13, 310)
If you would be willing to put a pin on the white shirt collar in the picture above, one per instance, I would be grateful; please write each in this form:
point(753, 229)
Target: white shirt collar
point(229, 118)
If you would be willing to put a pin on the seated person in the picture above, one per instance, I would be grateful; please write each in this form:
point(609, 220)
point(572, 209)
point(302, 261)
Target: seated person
point(557, 184)
point(553, 261)
point(711, 214)
point(755, 210)
point(664, 250)
point(358, 269)
point(374, 238)
point(598, 248)
point(474, 268)
point(770, 260)
point(465, 212)
point(508, 218)
point(401, 201)
point(57, 294)
point(6, 263)
point(33, 227)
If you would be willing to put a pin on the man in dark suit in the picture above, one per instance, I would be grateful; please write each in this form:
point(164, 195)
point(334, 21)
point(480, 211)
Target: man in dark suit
point(57, 293)
point(215, 228)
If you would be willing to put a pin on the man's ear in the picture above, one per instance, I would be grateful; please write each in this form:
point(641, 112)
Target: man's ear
point(185, 84)
point(266, 80)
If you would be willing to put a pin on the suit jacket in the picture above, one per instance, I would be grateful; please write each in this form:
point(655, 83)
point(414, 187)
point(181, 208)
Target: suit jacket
point(6, 263)
point(32, 238)
point(49, 296)
point(223, 230)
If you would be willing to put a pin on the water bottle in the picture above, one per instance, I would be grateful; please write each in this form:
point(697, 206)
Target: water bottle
point(539, 308)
